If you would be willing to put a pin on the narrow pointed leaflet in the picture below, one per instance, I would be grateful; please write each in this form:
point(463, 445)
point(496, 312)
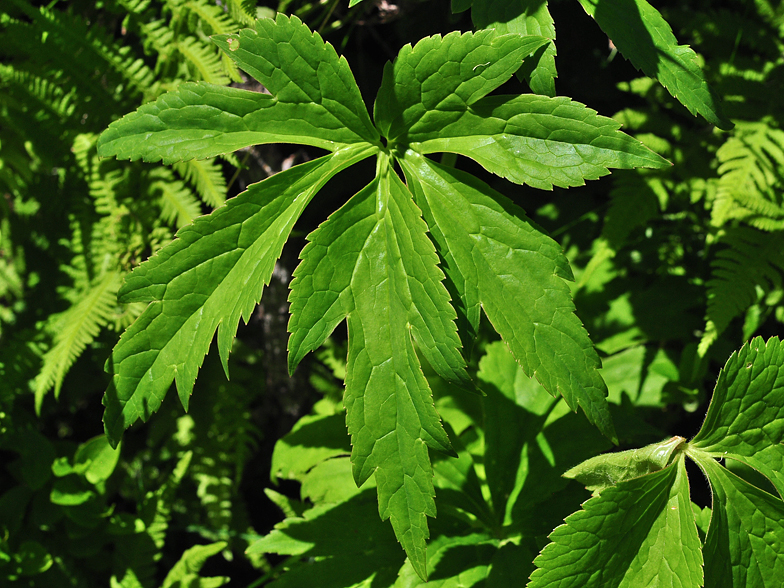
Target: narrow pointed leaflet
point(518, 276)
point(642, 35)
point(212, 274)
point(524, 17)
point(743, 547)
point(371, 262)
point(745, 419)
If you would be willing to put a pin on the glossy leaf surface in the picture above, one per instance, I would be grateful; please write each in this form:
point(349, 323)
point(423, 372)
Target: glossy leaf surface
point(638, 533)
point(642, 35)
point(518, 276)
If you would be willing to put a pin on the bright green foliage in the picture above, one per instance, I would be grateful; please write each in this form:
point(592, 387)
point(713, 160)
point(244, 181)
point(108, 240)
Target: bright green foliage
point(609, 469)
point(743, 544)
point(409, 262)
point(474, 224)
point(494, 498)
point(643, 36)
point(527, 17)
point(637, 533)
point(212, 293)
point(745, 420)
point(641, 528)
point(371, 263)
point(536, 140)
point(63, 79)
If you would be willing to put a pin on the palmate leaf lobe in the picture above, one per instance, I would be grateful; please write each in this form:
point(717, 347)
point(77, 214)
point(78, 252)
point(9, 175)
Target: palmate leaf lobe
point(640, 532)
point(517, 274)
point(212, 274)
point(642, 35)
point(372, 264)
point(611, 542)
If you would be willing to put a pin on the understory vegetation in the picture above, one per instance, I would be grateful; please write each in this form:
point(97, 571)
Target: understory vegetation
point(481, 356)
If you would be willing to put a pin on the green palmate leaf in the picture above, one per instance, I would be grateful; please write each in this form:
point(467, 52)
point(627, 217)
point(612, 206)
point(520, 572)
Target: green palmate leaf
point(536, 140)
point(517, 274)
point(642, 35)
point(315, 101)
point(212, 274)
point(745, 420)
point(440, 77)
point(523, 17)
point(638, 533)
point(743, 546)
point(372, 263)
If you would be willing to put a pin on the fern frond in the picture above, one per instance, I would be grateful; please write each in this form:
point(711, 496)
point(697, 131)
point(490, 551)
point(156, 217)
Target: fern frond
point(205, 63)
point(80, 49)
point(178, 204)
point(212, 20)
point(207, 177)
point(42, 92)
point(158, 37)
point(750, 183)
point(751, 259)
point(76, 328)
point(242, 11)
point(217, 22)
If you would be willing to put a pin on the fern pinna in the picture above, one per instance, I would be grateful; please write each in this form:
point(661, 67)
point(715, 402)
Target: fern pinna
point(62, 78)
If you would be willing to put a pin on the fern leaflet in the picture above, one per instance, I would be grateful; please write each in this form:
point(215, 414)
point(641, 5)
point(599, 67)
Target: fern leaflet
point(207, 177)
point(76, 328)
point(752, 259)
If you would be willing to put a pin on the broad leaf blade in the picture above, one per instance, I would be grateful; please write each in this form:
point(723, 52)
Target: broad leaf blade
point(743, 547)
point(606, 470)
point(320, 296)
point(433, 82)
point(372, 263)
point(642, 35)
point(518, 274)
point(212, 274)
point(300, 70)
point(315, 101)
point(390, 412)
point(745, 419)
point(638, 533)
point(524, 17)
point(539, 141)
